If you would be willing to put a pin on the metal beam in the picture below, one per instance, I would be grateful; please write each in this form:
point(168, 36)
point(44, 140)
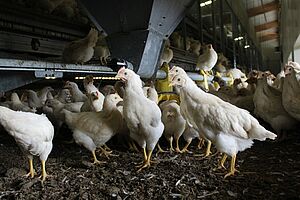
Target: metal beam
point(269, 36)
point(266, 26)
point(274, 5)
point(10, 80)
point(136, 29)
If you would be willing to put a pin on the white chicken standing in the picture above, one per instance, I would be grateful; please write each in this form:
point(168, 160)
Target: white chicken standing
point(32, 132)
point(173, 121)
point(94, 129)
point(142, 115)
point(291, 90)
point(230, 128)
point(208, 59)
point(268, 106)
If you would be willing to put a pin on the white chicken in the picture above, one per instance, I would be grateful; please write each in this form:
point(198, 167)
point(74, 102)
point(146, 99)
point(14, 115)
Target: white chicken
point(291, 90)
point(142, 115)
point(208, 59)
point(33, 100)
point(43, 94)
point(81, 51)
point(151, 93)
point(94, 129)
point(17, 105)
point(195, 46)
point(173, 121)
point(94, 103)
point(64, 96)
point(268, 106)
point(167, 53)
point(236, 73)
point(230, 128)
point(77, 95)
point(101, 49)
point(32, 132)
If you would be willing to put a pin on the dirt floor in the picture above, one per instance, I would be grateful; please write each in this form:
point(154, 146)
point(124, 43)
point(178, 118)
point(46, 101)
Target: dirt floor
point(267, 171)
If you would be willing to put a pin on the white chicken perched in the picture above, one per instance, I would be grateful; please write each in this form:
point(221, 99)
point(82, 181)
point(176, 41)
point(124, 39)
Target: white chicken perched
point(291, 90)
point(81, 51)
point(94, 129)
point(208, 59)
point(142, 115)
point(167, 53)
point(173, 121)
point(230, 128)
point(32, 132)
point(268, 106)
point(77, 95)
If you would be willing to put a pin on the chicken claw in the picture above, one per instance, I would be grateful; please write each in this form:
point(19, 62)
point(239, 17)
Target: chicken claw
point(160, 150)
point(31, 170)
point(147, 163)
point(232, 167)
point(185, 148)
point(106, 153)
point(96, 161)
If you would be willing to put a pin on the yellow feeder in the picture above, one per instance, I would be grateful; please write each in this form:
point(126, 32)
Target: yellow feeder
point(164, 90)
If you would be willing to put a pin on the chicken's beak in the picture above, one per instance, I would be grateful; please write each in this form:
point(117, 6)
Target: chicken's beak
point(171, 84)
point(120, 103)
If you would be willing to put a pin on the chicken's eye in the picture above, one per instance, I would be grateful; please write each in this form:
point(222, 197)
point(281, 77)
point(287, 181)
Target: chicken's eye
point(176, 70)
point(178, 79)
point(290, 69)
point(263, 75)
point(115, 97)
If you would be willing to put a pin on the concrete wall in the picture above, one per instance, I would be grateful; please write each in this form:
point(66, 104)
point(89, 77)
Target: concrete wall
point(290, 26)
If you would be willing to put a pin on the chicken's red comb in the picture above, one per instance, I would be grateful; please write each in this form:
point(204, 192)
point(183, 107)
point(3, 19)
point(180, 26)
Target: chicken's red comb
point(121, 69)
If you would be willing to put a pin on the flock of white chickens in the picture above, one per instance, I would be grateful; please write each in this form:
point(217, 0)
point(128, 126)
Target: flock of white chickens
point(221, 117)
point(133, 112)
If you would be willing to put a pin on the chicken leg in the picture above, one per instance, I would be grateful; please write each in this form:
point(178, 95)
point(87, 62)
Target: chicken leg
point(31, 169)
point(208, 152)
point(177, 149)
point(201, 143)
point(96, 161)
point(232, 167)
point(171, 144)
point(222, 161)
point(185, 148)
point(44, 173)
point(145, 158)
point(147, 163)
point(106, 153)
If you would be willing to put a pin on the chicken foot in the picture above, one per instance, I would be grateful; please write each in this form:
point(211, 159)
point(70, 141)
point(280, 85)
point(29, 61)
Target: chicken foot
point(207, 152)
point(201, 143)
point(232, 167)
point(147, 163)
point(221, 163)
point(44, 173)
point(106, 153)
point(132, 146)
point(177, 149)
point(96, 161)
point(160, 150)
point(31, 169)
point(185, 148)
point(171, 144)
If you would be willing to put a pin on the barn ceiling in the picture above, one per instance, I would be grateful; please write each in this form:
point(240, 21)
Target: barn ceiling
point(263, 15)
